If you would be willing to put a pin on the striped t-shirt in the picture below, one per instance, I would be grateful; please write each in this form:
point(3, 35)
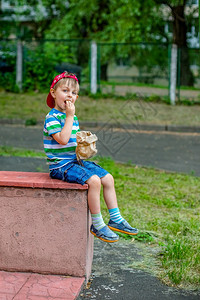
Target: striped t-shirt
point(58, 155)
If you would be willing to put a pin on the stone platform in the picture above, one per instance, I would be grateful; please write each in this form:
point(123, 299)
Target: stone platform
point(44, 225)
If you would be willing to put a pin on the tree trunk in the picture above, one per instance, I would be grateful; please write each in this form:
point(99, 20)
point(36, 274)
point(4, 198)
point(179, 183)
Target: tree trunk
point(180, 39)
point(104, 75)
point(186, 76)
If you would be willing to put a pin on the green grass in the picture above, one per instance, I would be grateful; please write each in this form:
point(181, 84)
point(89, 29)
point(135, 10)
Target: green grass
point(11, 151)
point(165, 207)
point(32, 108)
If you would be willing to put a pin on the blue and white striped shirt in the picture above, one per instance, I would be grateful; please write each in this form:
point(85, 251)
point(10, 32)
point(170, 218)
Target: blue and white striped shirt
point(58, 155)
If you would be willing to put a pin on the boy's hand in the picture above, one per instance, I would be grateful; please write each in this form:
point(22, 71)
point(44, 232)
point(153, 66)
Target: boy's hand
point(70, 108)
point(63, 136)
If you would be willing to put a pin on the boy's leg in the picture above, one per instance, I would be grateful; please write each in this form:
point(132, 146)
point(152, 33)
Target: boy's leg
point(117, 222)
point(111, 198)
point(94, 185)
point(81, 174)
point(109, 191)
point(94, 189)
point(98, 228)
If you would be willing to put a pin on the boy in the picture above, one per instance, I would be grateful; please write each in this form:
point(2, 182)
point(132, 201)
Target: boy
point(60, 127)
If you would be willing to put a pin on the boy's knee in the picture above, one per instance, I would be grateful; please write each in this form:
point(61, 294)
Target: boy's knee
point(94, 181)
point(108, 180)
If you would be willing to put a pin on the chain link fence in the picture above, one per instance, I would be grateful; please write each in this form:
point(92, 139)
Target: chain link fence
point(122, 68)
point(144, 70)
point(191, 72)
point(131, 67)
point(42, 60)
point(8, 50)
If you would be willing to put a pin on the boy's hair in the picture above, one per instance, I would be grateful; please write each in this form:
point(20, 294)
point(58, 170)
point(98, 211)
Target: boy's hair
point(69, 80)
point(65, 77)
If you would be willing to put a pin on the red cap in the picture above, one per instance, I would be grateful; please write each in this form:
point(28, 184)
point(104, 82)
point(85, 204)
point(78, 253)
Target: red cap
point(50, 99)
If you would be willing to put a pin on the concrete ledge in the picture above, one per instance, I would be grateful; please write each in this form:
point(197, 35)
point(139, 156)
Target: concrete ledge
point(36, 180)
point(44, 225)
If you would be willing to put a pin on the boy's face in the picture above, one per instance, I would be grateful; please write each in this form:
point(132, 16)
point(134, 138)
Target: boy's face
point(63, 93)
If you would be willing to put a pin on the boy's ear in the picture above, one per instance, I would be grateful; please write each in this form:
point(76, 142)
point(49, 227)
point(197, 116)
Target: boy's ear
point(52, 91)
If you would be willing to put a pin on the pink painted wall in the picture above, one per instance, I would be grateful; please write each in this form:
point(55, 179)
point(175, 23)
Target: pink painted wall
point(45, 230)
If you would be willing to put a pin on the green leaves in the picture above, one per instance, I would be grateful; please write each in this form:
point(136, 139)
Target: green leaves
point(109, 20)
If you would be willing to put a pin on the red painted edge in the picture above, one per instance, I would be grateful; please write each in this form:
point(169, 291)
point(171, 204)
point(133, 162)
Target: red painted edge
point(36, 180)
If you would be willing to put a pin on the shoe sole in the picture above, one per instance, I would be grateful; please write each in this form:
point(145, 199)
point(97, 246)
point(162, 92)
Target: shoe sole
point(115, 229)
point(107, 241)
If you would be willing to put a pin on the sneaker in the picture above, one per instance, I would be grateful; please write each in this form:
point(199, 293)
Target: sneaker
point(123, 227)
point(104, 234)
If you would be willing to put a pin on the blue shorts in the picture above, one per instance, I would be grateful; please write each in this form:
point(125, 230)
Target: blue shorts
point(76, 173)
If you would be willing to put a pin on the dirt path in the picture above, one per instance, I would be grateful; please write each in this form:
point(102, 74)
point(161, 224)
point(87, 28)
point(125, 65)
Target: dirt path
point(149, 91)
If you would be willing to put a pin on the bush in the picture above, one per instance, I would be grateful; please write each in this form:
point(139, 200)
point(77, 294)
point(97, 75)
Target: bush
point(40, 63)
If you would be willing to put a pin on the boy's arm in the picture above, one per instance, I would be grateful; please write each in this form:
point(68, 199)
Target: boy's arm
point(63, 136)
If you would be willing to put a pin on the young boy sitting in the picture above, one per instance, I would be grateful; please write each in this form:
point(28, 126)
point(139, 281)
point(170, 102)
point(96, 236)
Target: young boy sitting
point(60, 128)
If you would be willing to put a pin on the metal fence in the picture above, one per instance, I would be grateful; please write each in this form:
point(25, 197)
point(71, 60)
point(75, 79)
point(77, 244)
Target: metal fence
point(144, 69)
point(129, 68)
point(122, 68)
point(41, 61)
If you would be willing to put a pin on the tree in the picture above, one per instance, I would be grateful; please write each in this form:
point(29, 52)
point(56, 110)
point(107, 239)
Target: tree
point(108, 21)
point(83, 20)
point(114, 21)
point(179, 21)
point(30, 18)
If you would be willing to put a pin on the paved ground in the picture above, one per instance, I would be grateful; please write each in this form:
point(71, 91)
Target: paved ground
point(114, 279)
point(166, 150)
point(28, 286)
point(112, 276)
point(149, 91)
